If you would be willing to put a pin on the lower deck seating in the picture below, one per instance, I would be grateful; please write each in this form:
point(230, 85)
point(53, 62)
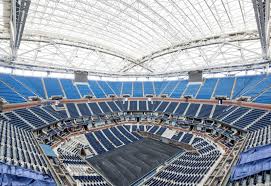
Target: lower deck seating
point(92, 180)
point(262, 178)
point(71, 108)
point(258, 138)
point(261, 122)
point(95, 109)
point(153, 129)
point(16, 121)
point(112, 138)
point(189, 168)
point(161, 131)
point(32, 119)
point(95, 143)
point(233, 116)
point(254, 139)
point(192, 110)
point(109, 139)
point(44, 115)
point(128, 134)
point(186, 138)
point(205, 111)
point(104, 141)
point(79, 169)
point(18, 148)
point(120, 136)
point(177, 136)
point(51, 111)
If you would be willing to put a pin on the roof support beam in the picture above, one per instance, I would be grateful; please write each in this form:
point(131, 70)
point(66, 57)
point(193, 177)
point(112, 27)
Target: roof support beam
point(226, 38)
point(19, 11)
point(262, 16)
point(32, 67)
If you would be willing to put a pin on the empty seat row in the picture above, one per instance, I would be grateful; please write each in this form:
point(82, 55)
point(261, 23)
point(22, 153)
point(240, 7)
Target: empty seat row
point(22, 87)
point(189, 168)
point(18, 148)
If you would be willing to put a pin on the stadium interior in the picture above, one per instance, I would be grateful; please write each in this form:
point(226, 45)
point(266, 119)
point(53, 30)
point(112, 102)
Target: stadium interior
point(135, 93)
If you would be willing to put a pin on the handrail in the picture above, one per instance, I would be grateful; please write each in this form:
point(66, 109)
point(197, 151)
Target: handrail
point(9, 107)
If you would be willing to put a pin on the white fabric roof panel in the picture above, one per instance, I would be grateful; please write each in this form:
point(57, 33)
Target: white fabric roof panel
point(65, 33)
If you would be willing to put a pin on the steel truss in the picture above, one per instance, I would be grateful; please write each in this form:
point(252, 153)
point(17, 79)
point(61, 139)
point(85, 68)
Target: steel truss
point(262, 16)
point(19, 11)
point(136, 38)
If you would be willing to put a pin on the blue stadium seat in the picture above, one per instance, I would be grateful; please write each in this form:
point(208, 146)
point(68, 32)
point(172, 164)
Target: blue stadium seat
point(181, 109)
point(191, 90)
point(161, 131)
point(235, 114)
point(264, 97)
point(148, 88)
point(95, 143)
point(44, 115)
point(72, 110)
point(170, 87)
point(187, 138)
point(52, 111)
point(10, 95)
point(259, 87)
point(106, 88)
point(119, 136)
point(113, 106)
point(179, 89)
point(127, 134)
point(133, 106)
point(127, 88)
point(95, 109)
point(84, 90)
point(84, 110)
point(115, 86)
point(104, 107)
point(98, 92)
point(218, 110)
point(19, 150)
point(224, 87)
point(107, 144)
point(261, 123)
point(17, 122)
point(70, 90)
point(162, 106)
point(171, 107)
point(112, 138)
point(207, 89)
point(34, 83)
point(177, 136)
point(192, 110)
point(153, 129)
point(159, 86)
point(52, 87)
point(205, 111)
point(137, 89)
point(16, 85)
point(31, 118)
point(249, 118)
point(142, 105)
point(244, 83)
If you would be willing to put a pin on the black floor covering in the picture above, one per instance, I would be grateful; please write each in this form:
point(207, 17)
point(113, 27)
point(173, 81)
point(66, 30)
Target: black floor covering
point(125, 165)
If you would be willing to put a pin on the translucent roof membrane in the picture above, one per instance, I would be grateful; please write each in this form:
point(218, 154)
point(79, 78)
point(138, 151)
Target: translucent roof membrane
point(121, 36)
